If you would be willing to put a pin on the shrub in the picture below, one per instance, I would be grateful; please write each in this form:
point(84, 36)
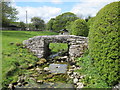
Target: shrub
point(90, 22)
point(104, 43)
point(79, 28)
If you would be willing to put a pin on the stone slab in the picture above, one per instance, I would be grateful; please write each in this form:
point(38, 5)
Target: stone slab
point(58, 68)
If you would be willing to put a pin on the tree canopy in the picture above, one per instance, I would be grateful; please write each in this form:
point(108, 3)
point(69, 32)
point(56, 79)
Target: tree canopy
point(50, 24)
point(63, 20)
point(8, 13)
point(38, 23)
point(79, 27)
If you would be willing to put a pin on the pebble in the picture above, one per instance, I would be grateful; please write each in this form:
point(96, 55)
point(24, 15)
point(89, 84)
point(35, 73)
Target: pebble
point(10, 86)
point(78, 68)
point(80, 85)
point(75, 80)
point(32, 69)
point(74, 73)
point(57, 61)
point(78, 77)
point(40, 72)
point(19, 84)
point(32, 78)
point(71, 77)
point(73, 67)
point(37, 69)
point(30, 65)
point(81, 77)
point(65, 57)
point(69, 73)
point(62, 61)
point(71, 70)
point(46, 69)
point(40, 81)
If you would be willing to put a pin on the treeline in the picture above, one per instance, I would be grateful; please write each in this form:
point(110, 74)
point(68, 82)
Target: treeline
point(69, 21)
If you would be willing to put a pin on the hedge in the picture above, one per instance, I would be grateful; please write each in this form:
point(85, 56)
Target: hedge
point(104, 43)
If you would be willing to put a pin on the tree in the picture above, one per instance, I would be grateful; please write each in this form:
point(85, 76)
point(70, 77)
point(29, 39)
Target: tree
point(69, 27)
point(31, 26)
point(104, 43)
point(79, 27)
point(63, 20)
point(8, 13)
point(50, 24)
point(38, 23)
point(22, 25)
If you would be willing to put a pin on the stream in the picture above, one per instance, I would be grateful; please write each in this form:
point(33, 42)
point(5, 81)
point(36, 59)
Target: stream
point(54, 72)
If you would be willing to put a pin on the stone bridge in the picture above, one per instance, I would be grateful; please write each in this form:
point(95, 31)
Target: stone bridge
point(39, 45)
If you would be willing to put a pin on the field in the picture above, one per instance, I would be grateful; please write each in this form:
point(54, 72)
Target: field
point(15, 56)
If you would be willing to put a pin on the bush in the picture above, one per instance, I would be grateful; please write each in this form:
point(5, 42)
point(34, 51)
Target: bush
point(104, 43)
point(90, 22)
point(79, 28)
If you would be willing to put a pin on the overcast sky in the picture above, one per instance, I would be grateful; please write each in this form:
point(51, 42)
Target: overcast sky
point(47, 9)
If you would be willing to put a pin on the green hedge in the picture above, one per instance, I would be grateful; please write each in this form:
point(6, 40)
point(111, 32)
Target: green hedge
point(79, 28)
point(104, 43)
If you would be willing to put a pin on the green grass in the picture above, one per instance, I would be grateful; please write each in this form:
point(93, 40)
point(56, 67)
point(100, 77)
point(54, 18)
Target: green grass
point(56, 47)
point(14, 55)
point(92, 78)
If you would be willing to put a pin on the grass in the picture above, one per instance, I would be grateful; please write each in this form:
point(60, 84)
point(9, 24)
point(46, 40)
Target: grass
point(56, 47)
point(15, 56)
point(92, 78)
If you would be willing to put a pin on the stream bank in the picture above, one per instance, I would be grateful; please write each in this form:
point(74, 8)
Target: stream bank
point(54, 72)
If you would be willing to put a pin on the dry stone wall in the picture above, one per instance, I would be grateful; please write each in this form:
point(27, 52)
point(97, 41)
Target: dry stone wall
point(39, 45)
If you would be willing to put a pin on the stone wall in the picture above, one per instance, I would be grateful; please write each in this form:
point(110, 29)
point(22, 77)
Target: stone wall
point(39, 45)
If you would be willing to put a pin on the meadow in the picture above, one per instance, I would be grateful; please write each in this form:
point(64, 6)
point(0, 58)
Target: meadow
point(15, 56)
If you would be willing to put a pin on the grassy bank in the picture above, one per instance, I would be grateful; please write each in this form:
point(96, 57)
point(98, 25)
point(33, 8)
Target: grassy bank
point(14, 55)
point(92, 79)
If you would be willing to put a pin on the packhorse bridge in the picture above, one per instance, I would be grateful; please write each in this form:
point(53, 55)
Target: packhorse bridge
point(39, 45)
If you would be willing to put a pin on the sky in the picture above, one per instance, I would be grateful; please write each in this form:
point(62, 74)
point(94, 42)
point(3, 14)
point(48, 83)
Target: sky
point(47, 9)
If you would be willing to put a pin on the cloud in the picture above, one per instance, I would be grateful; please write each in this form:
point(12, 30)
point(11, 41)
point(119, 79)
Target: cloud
point(56, 1)
point(89, 7)
point(43, 12)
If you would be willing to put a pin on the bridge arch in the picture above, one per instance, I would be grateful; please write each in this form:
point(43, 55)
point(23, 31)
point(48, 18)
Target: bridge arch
point(39, 45)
